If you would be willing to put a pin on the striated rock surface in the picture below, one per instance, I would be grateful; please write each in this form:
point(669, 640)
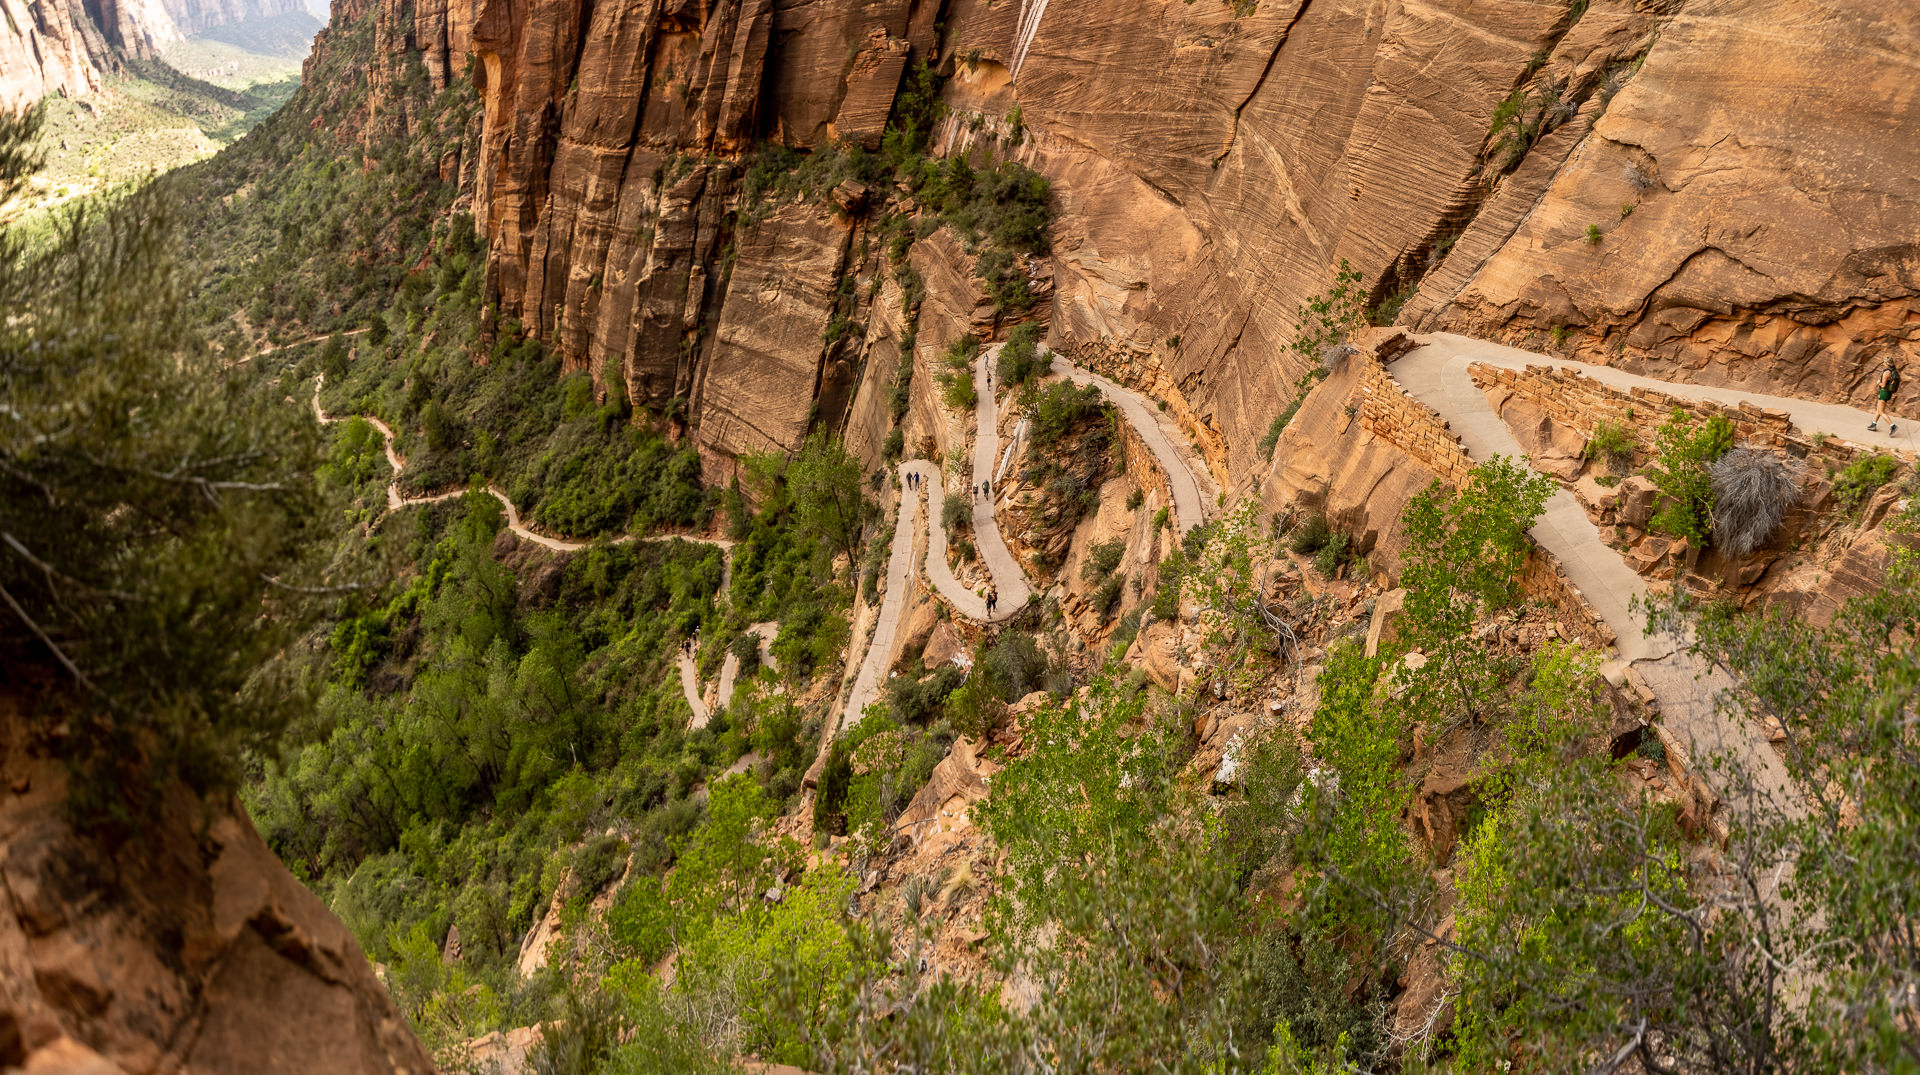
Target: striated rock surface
point(184, 947)
point(759, 386)
point(1754, 190)
point(1746, 164)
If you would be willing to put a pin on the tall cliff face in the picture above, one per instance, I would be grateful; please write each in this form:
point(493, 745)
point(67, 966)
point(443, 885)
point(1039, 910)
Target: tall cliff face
point(64, 46)
point(1721, 186)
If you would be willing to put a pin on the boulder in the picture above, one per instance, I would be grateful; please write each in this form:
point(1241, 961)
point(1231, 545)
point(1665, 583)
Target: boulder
point(1156, 649)
point(1633, 501)
point(943, 645)
point(957, 783)
point(1387, 613)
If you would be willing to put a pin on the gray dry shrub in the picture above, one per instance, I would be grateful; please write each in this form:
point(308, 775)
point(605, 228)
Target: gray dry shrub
point(1752, 491)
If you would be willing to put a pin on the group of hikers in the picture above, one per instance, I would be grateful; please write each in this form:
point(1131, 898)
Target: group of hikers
point(984, 489)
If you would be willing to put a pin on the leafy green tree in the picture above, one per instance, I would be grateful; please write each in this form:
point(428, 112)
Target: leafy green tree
point(1465, 551)
point(1331, 316)
point(156, 510)
point(825, 484)
point(1683, 453)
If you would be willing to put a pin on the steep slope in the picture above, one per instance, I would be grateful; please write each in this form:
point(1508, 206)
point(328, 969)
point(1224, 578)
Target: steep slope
point(47, 47)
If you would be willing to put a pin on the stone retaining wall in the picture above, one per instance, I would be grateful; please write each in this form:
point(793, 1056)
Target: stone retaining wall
point(1385, 410)
point(1388, 412)
point(1581, 403)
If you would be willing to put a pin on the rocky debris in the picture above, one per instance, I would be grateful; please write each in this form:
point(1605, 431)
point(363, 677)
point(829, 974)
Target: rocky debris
point(184, 947)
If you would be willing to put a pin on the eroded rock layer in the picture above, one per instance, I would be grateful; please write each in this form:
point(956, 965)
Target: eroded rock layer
point(182, 946)
point(1716, 189)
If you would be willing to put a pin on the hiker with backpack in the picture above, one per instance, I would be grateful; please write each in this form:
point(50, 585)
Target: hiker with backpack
point(1888, 383)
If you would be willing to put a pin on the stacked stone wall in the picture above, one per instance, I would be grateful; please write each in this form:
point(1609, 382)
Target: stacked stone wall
point(1581, 403)
point(1388, 412)
point(1385, 410)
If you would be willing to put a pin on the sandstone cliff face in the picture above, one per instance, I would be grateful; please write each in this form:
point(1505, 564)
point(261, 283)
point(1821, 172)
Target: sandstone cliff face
point(186, 948)
point(64, 46)
point(1747, 162)
point(1756, 191)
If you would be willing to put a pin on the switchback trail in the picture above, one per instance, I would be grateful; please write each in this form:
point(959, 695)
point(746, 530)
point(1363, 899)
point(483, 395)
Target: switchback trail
point(689, 678)
point(1436, 374)
point(1008, 578)
point(396, 501)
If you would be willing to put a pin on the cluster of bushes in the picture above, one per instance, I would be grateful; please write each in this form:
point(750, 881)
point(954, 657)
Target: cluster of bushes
point(478, 722)
point(956, 382)
point(1101, 562)
point(1020, 361)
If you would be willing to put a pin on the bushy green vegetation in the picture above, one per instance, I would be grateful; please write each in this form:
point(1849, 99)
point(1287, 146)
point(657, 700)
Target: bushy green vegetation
point(957, 387)
point(1683, 455)
point(1611, 443)
point(159, 523)
point(1021, 361)
point(1330, 317)
point(1859, 479)
point(307, 225)
point(1059, 407)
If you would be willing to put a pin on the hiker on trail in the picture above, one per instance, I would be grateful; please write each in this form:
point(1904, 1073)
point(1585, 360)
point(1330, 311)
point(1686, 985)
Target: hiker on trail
point(1888, 383)
point(993, 598)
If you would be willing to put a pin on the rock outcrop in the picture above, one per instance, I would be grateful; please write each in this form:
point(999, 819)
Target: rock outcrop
point(51, 46)
point(1715, 187)
point(186, 946)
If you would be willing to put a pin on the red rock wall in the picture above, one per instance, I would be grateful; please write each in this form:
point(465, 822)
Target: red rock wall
point(1211, 170)
point(184, 946)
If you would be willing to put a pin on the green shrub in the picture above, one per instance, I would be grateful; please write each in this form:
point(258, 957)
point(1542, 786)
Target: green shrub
point(1683, 452)
point(1060, 406)
point(957, 386)
point(1311, 535)
point(746, 649)
point(1612, 443)
point(1020, 361)
point(1854, 484)
point(1332, 555)
point(1013, 667)
point(1135, 498)
point(1102, 559)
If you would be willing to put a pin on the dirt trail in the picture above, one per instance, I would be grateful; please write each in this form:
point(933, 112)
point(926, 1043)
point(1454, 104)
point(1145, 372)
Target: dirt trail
point(396, 501)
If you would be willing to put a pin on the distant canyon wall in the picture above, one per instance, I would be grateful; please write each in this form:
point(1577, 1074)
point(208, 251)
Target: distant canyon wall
point(1715, 190)
point(65, 46)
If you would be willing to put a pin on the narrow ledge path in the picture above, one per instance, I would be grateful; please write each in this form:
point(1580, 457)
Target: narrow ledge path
point(1435, 373)
point(1189, 507)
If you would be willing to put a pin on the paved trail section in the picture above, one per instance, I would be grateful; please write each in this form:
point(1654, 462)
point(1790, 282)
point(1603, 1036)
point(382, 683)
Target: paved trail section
point(1188, 507)
point(1009, 579)
point(1436, 375)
